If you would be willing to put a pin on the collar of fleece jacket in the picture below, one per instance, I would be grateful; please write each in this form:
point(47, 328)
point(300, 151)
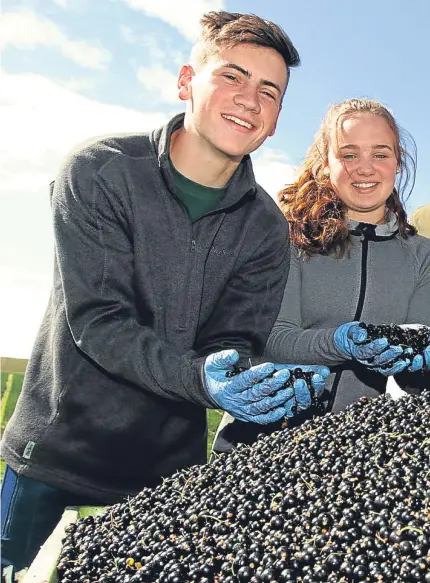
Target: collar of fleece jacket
point(388, 229)
point(240, 184)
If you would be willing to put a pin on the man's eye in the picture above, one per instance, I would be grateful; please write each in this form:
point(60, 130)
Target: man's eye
point(268, 94)
point(231, 77)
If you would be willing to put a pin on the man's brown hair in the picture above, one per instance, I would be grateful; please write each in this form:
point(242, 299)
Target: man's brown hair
point(224, 30)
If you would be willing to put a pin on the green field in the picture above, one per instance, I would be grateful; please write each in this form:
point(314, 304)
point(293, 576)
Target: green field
point(11, 384)
point(214, 418)
point(10, 388)
point(13, 364)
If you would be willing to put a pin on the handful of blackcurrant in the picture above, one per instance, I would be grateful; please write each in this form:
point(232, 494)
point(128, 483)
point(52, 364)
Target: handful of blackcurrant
point(295, 374)
point(414, 338)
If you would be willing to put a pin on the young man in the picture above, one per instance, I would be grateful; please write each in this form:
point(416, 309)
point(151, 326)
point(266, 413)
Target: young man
point(167, 252)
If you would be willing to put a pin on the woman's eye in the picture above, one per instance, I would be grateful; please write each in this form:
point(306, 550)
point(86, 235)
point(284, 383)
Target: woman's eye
point(380, 156)
point(349, 156)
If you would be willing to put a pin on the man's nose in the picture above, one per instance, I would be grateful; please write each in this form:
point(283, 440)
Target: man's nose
point(248, 97)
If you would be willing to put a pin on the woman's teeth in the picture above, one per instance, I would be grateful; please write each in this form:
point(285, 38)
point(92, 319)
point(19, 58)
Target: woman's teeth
point(364, 184)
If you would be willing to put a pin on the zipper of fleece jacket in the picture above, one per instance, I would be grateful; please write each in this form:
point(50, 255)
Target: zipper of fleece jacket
point(183, 320)
point(358, 311)
point(194, 270)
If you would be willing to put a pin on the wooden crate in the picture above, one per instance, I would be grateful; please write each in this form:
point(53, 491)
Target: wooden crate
point(43, 568)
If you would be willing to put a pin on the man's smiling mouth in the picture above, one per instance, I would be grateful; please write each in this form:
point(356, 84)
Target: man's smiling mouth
point(239, 121)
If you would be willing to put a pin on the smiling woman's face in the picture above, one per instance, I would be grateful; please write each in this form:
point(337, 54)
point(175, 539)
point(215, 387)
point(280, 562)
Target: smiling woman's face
point(363, 164)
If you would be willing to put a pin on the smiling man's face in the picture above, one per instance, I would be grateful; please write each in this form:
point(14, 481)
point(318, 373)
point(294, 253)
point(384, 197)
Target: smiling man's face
point(235, 98)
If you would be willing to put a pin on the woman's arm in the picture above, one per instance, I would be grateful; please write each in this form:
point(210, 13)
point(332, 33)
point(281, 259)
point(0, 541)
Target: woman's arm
point(419, 305)
point(288, 340)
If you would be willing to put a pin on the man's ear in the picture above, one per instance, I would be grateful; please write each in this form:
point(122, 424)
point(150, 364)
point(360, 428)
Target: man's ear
point(272, 133)
point(185, 76)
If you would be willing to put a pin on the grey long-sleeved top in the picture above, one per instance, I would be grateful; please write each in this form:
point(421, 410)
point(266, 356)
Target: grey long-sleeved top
point(384, 279)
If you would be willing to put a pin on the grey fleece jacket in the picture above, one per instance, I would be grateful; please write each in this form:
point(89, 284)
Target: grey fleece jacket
point(114, 396)
point(384, 279)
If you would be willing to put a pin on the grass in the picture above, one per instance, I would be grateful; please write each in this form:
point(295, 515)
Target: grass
point(214, 419)
point(10, 396)
point(13, 365)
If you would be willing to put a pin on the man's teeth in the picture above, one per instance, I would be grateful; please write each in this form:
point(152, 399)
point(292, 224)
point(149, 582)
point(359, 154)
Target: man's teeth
point(245, 124)
point(364, 184)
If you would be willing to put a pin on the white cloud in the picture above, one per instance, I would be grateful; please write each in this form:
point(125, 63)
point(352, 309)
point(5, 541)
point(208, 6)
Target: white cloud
point(62, 3)
point(273, 170)
point(78, 84)
point(129, 35)
point(184, 16)
point(156, 52)
point(19, 321)
point(27, 29)
point(40, 121)
point(161, 82)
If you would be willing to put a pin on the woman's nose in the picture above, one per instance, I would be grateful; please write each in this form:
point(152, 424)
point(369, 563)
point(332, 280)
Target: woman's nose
point(365, 166)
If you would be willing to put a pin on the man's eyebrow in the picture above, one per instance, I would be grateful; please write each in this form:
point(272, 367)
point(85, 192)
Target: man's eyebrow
point(375, 147)
point(248, 74)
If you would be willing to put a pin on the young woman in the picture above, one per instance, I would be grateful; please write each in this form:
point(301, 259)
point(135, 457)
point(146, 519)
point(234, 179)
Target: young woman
point(354, 258)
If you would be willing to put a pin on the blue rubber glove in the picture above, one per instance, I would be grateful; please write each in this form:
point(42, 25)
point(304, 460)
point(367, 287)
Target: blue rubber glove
point(385, 359)
point(421, 362)
point(301, 390)
point(396, 367)
point(248, 395)
point(351, 339)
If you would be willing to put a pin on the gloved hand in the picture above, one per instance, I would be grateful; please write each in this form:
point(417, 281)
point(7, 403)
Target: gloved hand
point(303, 397)
point(420, 362)
point(351, 339)
point(248, 395)
point(383, 363)
point(394, 369)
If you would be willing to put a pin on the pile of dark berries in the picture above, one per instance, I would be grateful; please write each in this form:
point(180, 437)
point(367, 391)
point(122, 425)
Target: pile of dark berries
point(342, 498)
point(414, 339)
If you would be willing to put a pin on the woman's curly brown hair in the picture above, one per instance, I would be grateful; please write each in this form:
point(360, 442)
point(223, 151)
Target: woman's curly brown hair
point(316, 214)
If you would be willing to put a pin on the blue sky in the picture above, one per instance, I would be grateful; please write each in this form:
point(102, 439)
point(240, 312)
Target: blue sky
point(73, 69)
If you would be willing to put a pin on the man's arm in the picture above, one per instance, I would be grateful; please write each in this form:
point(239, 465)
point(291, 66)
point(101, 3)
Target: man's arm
point(250, 302)
point(96, 264)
